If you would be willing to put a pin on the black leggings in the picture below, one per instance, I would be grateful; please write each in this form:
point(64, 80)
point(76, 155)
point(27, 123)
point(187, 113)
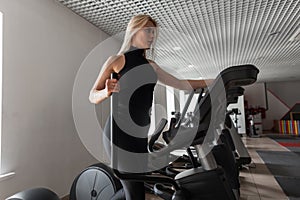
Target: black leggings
point(127, 190)
point(133, 190)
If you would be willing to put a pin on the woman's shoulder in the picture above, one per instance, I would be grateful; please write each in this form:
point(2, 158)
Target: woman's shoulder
point(116, 62)
point(116, 58)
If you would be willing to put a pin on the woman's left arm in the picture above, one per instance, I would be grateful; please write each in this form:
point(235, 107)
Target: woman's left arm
point(170, 80)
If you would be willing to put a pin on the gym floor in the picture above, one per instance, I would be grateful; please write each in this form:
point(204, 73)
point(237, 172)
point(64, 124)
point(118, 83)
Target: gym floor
point(257, 183)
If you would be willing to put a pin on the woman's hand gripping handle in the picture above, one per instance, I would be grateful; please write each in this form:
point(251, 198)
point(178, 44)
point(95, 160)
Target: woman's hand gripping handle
point(112, 85)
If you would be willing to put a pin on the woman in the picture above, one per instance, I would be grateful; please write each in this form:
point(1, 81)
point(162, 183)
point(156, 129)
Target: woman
point(137, 78)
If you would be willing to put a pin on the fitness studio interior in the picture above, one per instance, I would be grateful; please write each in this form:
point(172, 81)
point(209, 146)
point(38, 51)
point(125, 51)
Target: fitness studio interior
point(51, 138)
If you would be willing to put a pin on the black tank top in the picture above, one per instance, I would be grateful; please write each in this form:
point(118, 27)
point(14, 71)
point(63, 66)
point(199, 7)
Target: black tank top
point(132, 120)
point(137, 82)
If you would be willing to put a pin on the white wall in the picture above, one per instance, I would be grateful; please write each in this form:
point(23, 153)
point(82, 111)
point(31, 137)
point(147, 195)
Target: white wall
point(287, 91)
point(255, 95)
point(44, 45)
point(281, 96)
point(277, 109)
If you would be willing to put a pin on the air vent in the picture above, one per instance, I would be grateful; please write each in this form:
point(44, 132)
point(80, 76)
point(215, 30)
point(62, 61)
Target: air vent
point(295, 36)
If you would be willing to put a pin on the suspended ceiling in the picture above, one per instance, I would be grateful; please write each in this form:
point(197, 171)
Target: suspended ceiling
point(201, 38)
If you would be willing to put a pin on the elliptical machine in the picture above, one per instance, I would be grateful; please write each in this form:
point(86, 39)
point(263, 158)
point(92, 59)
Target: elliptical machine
point(205, 182)
point(242, 155)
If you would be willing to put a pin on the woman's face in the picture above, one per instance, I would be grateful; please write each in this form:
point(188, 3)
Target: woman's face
point(144, 38)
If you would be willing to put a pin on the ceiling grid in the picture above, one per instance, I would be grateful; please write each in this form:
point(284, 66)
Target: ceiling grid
point(282, 45)
point(212, 34)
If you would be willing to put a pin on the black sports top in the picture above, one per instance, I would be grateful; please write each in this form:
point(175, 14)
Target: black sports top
point(137, 82)
point(132, 120)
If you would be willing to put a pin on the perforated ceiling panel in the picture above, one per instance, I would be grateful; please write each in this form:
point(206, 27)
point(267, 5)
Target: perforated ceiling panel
point(200, 38)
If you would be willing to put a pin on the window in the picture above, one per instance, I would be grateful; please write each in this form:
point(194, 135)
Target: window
point(170, 101)
point(1, 44)
point(10, 174)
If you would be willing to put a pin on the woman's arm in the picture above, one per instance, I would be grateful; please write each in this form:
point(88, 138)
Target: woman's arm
point(170, 80)
point(104, 86)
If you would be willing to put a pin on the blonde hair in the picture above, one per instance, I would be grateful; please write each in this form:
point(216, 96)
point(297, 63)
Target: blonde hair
point(135, 24)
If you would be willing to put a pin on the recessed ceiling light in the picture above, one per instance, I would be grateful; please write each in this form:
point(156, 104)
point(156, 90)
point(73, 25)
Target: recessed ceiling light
point(191, 66)
point(295, 36)
point(177, 48)
point(274, 33)
point(259, 58)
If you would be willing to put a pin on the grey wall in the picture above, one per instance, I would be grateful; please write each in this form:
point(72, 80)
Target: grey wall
point(44, 45)
point(276, 110)
point(288, 91)
point(255, 95)
point(281, 96)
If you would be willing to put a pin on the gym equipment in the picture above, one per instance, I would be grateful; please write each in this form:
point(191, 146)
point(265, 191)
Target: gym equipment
point(243, 156)
point(96, 182)
point(208, 181)
point(238, 146)
point(230, 79)
point(35, 194)
point(233, 94)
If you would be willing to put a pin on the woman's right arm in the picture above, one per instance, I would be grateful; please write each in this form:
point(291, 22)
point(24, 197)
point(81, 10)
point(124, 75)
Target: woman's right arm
point(104, 86)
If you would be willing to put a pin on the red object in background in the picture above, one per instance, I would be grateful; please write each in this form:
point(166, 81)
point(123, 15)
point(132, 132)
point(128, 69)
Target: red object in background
point(289, 144)
point(254, 111)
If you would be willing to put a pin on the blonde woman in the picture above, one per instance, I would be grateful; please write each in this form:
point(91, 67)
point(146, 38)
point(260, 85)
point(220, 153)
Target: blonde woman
point(137, 79)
